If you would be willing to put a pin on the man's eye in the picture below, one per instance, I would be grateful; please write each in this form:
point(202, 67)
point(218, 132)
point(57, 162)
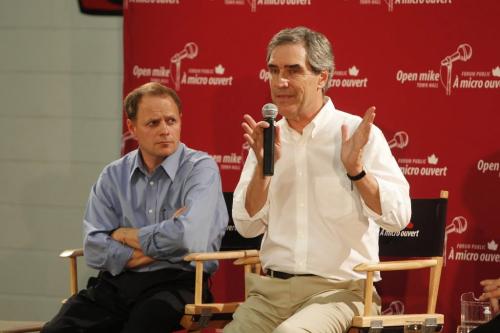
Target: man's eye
point(273, 70)
point(153, 123)
point(171, 121)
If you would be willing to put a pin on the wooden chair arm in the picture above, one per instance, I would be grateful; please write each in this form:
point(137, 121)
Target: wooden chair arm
point(396, 265)
point(204, 256)
point(200, 257)
point(435, 264)
point(251, 265)
point(71, 253)
point(247, 261)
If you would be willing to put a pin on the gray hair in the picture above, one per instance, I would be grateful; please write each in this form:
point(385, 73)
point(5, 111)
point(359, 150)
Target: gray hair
point(318, 49)
point(133, 99)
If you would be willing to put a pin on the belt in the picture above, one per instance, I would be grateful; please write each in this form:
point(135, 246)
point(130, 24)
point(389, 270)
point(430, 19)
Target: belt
point(283, 275)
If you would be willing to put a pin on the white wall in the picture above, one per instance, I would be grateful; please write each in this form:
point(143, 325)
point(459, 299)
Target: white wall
point(60, 123)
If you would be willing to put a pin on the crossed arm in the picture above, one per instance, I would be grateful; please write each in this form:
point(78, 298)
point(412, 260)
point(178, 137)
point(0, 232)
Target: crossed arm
point(130, 237)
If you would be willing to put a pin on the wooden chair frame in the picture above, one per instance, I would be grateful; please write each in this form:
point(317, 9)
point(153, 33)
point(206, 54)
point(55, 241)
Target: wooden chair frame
point(200, 315)
point(368, 321)
point(197, 315)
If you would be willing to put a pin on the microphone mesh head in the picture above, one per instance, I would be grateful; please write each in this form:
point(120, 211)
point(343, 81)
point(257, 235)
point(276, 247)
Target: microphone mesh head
point(269, 110)
point(191, 50)
point(465, 52)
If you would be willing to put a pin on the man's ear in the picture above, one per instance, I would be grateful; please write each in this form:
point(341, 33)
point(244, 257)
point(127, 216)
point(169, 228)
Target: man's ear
point(323, 79)
point(131, 127)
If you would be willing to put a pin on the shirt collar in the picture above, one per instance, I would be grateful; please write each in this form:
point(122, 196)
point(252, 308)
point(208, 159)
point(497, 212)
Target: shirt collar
point(318, 122)
point(170, 164)
point(322, 118)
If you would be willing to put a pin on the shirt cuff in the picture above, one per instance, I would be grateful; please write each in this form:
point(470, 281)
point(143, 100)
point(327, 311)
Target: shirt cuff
point(118, 257)
point(240, 212)
point(393, 211)
point(146, 239)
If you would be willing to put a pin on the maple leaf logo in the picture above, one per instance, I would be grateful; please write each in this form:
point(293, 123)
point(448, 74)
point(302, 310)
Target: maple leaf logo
point(219, 69)
point(492, 245)
point(353, 71)
point(432, 159)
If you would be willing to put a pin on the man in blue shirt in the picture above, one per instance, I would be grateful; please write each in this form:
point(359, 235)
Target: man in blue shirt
point(145, 213)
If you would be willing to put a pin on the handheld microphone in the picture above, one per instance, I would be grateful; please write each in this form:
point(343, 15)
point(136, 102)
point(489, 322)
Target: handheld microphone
point(269, 112)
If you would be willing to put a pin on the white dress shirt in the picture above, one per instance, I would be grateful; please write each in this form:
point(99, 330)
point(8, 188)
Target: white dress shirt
point(314, 222)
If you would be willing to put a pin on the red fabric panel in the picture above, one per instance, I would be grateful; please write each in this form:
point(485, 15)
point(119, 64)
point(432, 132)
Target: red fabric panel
point(394, 54)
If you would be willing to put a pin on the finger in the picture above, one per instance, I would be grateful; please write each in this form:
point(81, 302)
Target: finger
point(277, 138)
point(491, 282)
point(490, 287)
point(247, 128)
point(495, 304)
point(487, 282)
point(490, 295)
point(248, 138)
point(179, 211)
point(345, 133)
point(368, 118)
point(262, 124)
point(370, 114)
point(248, 118)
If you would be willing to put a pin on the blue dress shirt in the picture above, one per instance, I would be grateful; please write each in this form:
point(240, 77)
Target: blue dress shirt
point(125, 195)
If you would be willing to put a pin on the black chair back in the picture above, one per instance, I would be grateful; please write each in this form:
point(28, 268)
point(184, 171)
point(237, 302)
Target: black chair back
point(232, 239)
point(423, 237)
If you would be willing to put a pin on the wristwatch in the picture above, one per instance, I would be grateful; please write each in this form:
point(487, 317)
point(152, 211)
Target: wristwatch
point(357, 177)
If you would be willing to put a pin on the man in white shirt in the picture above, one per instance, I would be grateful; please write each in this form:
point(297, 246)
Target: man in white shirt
point(335, 184)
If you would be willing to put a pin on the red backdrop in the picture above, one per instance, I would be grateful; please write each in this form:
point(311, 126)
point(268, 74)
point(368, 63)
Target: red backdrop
point(430, 66)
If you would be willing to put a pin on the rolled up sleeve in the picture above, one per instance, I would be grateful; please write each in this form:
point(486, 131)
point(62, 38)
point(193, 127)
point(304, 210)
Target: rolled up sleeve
point(393, 187)
point(248, 226)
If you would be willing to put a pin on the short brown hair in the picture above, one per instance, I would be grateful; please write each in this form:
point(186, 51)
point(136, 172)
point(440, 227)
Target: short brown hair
point(133, 99)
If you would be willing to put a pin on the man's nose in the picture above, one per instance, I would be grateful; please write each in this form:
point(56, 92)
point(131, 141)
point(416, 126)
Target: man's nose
point(164, 130)
point(283, 82)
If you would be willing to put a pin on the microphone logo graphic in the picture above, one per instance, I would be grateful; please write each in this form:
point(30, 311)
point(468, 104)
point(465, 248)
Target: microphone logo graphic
point(458, 225)
point(390, 5)
point(400, 140)
point(253, 5)
point(395, 308)
point(463, 53)
point(190, 51)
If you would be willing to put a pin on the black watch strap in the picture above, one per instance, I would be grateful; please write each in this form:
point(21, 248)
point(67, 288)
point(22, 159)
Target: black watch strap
point(357, 177)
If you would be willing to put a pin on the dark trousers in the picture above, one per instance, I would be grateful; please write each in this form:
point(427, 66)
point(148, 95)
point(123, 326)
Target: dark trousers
point(130, 302)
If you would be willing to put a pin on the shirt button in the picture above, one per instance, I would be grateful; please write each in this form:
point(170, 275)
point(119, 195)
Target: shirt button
point(151, 183)
point(150, 211)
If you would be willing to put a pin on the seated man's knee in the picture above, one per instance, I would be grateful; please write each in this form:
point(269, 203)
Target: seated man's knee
point(287, 327)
